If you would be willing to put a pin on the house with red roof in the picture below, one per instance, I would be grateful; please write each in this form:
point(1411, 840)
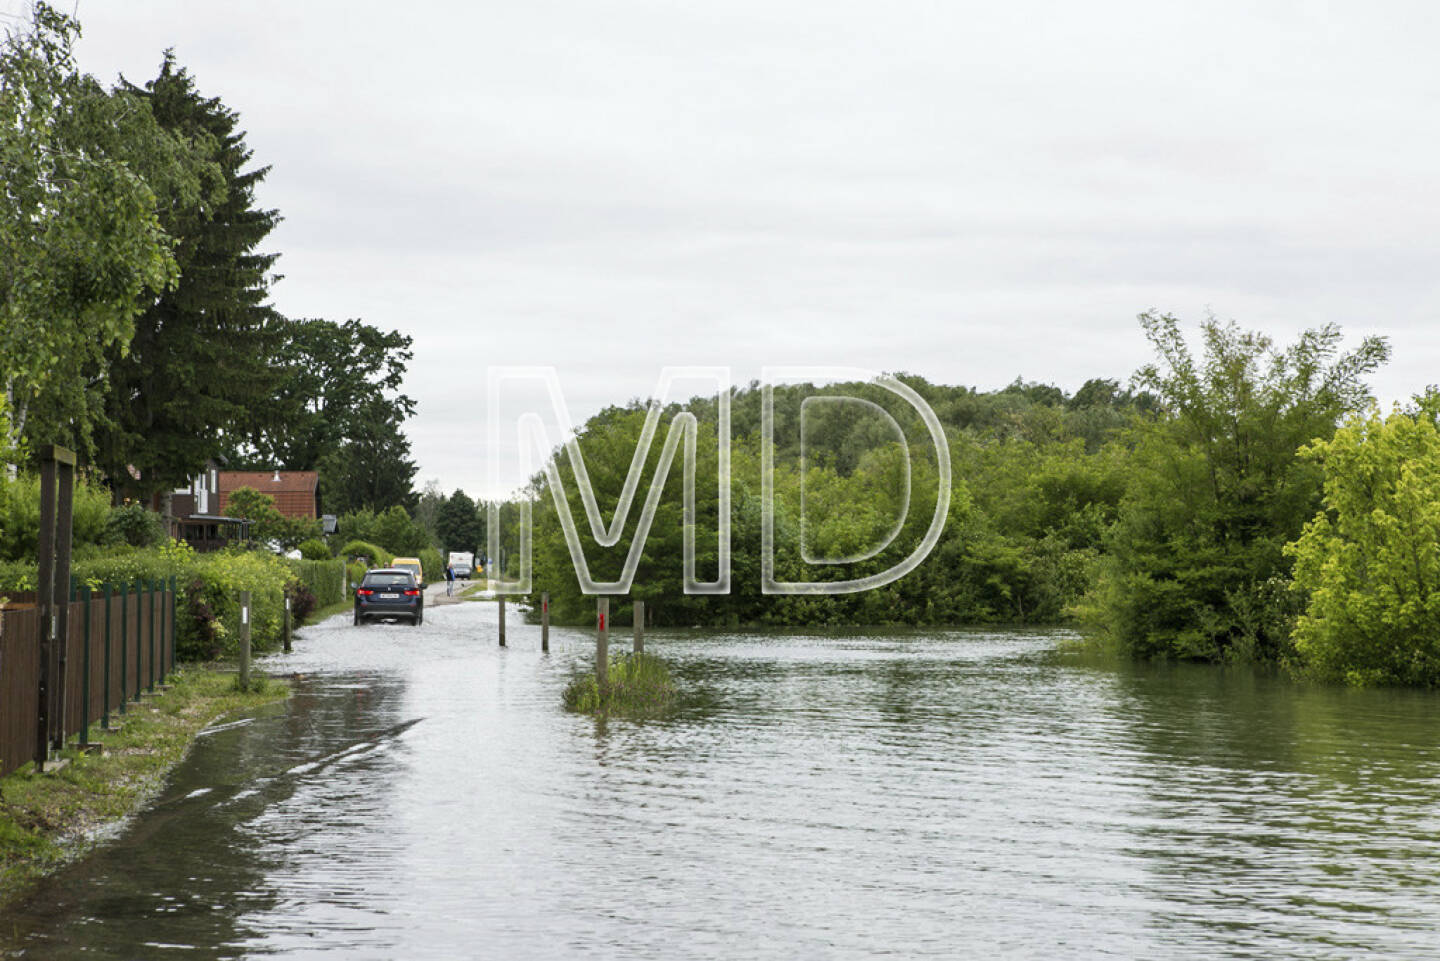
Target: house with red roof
point(296, 492)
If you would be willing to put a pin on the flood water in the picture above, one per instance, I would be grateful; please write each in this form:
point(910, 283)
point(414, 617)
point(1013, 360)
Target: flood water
point(955, 794)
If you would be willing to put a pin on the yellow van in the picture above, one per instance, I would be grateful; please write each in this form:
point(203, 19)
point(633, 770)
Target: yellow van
point(411, 564)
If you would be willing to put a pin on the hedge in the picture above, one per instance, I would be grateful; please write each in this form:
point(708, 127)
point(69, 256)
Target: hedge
point(432, 564)
point(326, 579)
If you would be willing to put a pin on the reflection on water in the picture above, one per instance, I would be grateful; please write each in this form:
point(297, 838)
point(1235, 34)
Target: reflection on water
point(961, 794)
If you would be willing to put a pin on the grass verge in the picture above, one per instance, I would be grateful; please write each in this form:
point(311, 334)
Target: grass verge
point(47, 820)
point(329, 610)
point(640, 686)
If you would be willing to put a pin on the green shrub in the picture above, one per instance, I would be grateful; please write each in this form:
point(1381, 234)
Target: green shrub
point(302, 600)
point(132, 524)
point(127, 565)
point(315, 549)
point(18, 576)
point(20, 515)
point(377, 555)
point(265, 576)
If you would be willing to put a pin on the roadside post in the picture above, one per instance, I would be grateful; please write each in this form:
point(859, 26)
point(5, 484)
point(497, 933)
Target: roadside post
point(502, 620)
point(639, 619)
point(287, 623)
point(57, 491)
point(244, 640)
point(602, 645)
point(545, 622)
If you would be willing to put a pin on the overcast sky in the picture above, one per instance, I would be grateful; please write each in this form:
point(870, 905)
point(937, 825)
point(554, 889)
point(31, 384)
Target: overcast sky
point(971, 192)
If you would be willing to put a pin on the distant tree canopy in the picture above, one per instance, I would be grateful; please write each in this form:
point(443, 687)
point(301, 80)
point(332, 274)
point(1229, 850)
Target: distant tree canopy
point(340, 410)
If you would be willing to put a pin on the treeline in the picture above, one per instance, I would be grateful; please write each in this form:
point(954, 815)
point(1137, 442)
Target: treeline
point(135, 323)
point(1211, 510)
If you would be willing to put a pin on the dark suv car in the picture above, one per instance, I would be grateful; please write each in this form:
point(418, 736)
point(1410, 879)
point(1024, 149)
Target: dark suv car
point(389, 592)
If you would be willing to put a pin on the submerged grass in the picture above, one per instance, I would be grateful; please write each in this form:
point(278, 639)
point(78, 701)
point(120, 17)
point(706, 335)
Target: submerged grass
point(47, 820)
point(640, 686)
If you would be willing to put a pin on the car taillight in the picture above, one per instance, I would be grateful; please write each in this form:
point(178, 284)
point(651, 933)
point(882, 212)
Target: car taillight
point(412, 593)
point(364, 592)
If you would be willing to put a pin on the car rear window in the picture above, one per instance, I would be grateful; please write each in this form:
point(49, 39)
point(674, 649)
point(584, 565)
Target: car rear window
point(388, 580)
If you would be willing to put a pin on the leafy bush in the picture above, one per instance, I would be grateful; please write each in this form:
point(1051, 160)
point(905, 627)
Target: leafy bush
point(171, 559)
point(18, 576)
point(20, 515)
point(315, 549)
point(377, 555)
point(265, 576)
point(302, 600)
point(132, 524)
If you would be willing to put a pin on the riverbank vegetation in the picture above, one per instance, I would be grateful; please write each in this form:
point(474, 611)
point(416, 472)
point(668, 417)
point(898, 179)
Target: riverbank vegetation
point(48, 819)
point(1240, 502)
point(638, 686)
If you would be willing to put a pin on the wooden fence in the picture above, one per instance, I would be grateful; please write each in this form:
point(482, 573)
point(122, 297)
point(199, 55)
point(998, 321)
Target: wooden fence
point(120, 643)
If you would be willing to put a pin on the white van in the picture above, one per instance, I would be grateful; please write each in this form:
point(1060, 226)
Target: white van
point(463, 564)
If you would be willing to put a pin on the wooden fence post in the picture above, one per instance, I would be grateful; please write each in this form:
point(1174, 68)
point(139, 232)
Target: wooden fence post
point(64, 590)
point(105, 690)
point(57, 474)
point(124, 647)
point(244, 640)
point(154, 632)
point(639, 619)
point(544, 622)
point(85, 599)
point(174, 611)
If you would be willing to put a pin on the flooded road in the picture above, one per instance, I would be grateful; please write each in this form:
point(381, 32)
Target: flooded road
point(922, 795)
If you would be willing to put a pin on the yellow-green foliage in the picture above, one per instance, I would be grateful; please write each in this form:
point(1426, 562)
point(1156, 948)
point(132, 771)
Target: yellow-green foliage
point(1370, 561)
point(20, 515)
point(208, 607)
point(264, 575)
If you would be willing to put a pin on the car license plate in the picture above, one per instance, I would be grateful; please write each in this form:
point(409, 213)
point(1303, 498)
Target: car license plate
point(390, 597)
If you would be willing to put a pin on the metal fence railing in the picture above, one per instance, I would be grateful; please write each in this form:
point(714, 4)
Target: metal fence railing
point(119, 643)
